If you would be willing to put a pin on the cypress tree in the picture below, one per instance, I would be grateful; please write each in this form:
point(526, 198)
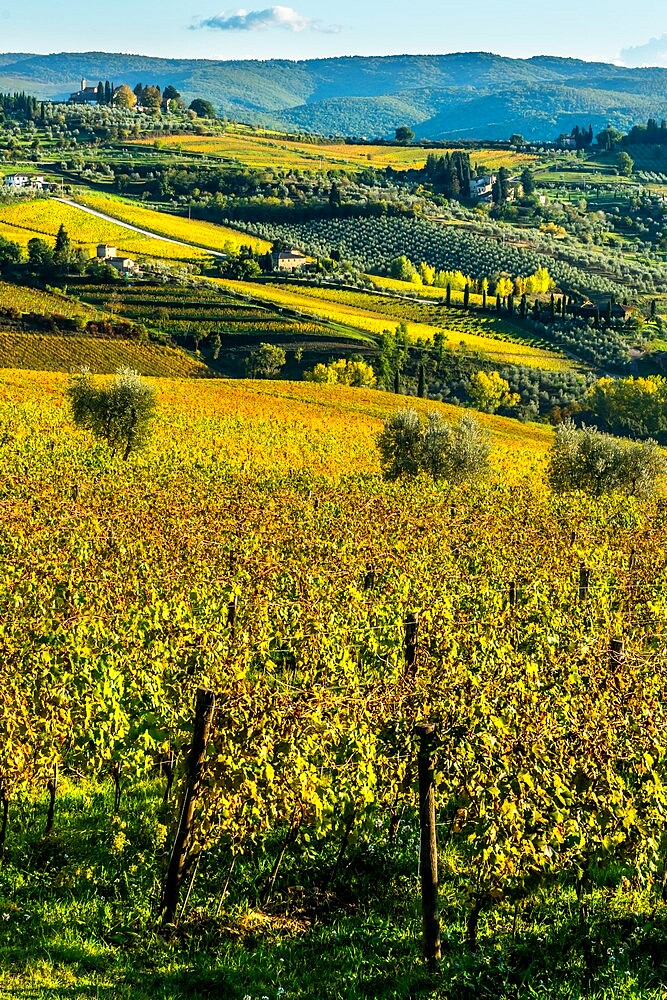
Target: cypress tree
point(510, 305)
point(421, 388)
point(523, 309)
point(449, 295)
point(484, 298)
point(466, 296)
point(499, 303)
point(397, 382)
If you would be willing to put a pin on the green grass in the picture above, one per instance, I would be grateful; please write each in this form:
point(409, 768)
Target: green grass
point(77, 911)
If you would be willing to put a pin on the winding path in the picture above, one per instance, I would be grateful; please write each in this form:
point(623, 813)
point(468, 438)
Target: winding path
point(136, 229)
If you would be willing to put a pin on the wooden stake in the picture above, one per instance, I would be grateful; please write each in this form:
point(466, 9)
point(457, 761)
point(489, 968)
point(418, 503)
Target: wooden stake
point(512, 595)
point(179, 852)
point(52, 786)
point(428, 847)
point(232, 610)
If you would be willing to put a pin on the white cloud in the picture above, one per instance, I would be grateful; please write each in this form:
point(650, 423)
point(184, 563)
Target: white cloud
point(653, 53)
point(271, 17)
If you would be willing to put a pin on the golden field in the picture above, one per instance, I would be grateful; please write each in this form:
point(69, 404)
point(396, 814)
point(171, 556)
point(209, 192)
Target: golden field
point(266, 149)
point(43, 217)
point(207, 235)
point(265, 426)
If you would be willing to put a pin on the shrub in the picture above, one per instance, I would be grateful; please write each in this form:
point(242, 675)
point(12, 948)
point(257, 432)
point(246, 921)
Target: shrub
point(352, 372)
point(455, 452)
point(265, 361)
point(599, 463)
point(119, 414)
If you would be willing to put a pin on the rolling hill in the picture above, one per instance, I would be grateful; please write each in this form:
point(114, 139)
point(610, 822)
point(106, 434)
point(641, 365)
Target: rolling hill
point(460, 95)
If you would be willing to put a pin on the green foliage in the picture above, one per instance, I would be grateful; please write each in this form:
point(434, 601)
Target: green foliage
point(490, 391)
point(203, 108)
point(636, 407)
point(354, 372)
point(265, 361)
point(598, 464)
point(404, 134)
point(10, 254)
point(119, 414)
point(625, 164)
point(457, 453)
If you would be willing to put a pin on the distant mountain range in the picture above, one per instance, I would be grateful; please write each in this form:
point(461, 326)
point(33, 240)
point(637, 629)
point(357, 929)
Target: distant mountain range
point(472, 95)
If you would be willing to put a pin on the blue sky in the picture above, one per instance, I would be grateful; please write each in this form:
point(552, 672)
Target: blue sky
point(591, 29)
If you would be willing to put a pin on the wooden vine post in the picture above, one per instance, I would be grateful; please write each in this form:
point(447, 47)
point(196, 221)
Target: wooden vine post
point(179, 853)
point(411, 630)
point(512, 594)
point(428, 847)
point(584, 582)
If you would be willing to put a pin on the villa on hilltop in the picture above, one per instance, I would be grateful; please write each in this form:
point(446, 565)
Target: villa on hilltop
point(481, 188)
point(87, 95)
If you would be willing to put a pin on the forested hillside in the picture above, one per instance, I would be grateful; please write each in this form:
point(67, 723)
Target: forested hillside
point(470, 95)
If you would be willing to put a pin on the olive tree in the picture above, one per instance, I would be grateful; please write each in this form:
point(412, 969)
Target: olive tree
point(401, 444)
point(597, 463)
point(455, 452)
point(119, 413)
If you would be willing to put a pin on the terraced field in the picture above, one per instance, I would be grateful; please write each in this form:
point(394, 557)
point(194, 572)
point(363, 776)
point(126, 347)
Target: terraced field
point(375, 314)
point(193, 310)
point(69, 353)
point(34, 300)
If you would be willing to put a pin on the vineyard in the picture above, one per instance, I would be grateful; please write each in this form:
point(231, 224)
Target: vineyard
point(33, 300)
point(189, 311)
point(54, 353)
point(253, 551)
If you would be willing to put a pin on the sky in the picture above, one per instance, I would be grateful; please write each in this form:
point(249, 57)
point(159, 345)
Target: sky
point(599, 30)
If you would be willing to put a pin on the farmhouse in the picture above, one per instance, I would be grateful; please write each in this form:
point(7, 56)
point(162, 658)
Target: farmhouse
point(289, 260)
point(481, 188)
point(124, 265)
point(87, 95)
point(22, 181)
point(588, 310)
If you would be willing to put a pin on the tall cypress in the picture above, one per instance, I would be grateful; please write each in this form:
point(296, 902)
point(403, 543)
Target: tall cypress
point(421, 387)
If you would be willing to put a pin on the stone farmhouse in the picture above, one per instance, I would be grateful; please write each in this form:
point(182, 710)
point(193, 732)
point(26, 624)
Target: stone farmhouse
point(20, 182)
point(124, 265)
point(289, 260)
